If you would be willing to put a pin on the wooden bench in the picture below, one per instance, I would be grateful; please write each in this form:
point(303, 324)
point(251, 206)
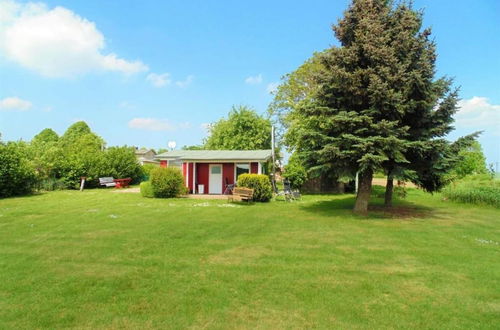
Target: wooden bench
point(241, 194)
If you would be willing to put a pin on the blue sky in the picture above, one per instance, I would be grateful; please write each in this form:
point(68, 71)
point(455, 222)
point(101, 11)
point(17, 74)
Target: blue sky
point(144, 73)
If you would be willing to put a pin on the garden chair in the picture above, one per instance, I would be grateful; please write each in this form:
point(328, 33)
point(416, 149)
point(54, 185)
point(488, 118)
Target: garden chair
point(287, 192)
point(229, 188)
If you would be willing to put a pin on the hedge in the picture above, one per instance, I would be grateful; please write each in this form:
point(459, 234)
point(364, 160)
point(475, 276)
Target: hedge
point(260, 183)
point(147, 189)
point(167, 182)
point(17, 177)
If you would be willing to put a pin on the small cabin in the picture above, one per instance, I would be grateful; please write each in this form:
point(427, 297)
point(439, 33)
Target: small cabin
point(210, 171)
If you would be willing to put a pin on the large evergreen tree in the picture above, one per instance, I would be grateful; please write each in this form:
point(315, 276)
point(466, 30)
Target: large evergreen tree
point(377, 105)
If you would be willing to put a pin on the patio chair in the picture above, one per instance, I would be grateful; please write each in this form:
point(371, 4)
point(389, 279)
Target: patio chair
point(229, 187)
point(288, 193)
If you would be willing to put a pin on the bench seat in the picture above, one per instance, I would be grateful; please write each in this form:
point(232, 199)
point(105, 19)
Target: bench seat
point(107, 181)
point(241, 194)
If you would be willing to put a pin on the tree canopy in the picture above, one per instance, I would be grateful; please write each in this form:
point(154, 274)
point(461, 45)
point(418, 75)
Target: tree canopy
point(471, 160)
point(372, 103)
point(244, 129)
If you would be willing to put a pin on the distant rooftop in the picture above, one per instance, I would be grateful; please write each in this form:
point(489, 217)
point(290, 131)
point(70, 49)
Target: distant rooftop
point(217, 155)
point(142, 151)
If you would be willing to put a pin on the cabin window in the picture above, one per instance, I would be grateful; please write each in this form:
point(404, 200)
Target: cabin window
point(216, 169)
point(242, 169)
point(175, 163)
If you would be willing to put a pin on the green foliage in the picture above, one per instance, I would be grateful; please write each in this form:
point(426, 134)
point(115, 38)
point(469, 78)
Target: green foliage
point(475, 189)
point(146, 170)
point(194, 147)
point(17, 177)
point(295, 172)
point(260, 183)
point(244, 129)
point(121, 162)
point(47, 135)
point(147, 189)
point(51, 184)
point(167, 182)
point(472, 161)
point(61, 162)
point(371, 104)
point(296, 88)
point(482, 195)
point(83, 157)
point(75, 131)
point(161, 151)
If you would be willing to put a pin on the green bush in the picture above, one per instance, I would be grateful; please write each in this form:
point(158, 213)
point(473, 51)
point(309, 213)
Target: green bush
point(17, 177)
point(167, 182)
point(147, 189)
point(121, 162)
point(51, 184)
point(260, 183)
point(146, 170)
point(296, 174)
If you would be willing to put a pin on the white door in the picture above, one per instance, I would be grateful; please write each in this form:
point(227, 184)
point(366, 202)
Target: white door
point(215, 179)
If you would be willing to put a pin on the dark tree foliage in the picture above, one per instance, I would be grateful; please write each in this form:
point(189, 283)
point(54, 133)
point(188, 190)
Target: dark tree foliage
point(377, 104)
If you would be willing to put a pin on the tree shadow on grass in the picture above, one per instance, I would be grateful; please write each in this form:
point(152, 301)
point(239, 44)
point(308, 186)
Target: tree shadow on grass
point(328, 207)
point(402, 209)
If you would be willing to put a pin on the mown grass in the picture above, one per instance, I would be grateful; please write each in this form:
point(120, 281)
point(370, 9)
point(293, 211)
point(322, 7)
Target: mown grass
point(100, 259)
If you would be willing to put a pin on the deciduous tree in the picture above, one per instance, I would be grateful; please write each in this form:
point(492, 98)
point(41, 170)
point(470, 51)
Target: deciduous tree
point(244, 129)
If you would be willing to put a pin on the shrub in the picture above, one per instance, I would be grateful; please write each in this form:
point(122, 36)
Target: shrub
point(260, 183)
point(51, 184)
point(147, 189)
point(146, 170)
point(120, 162)
point(17, 177)
point(296, 174)
point(167, 182)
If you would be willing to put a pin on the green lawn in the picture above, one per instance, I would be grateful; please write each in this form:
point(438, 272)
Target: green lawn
point(100, 259)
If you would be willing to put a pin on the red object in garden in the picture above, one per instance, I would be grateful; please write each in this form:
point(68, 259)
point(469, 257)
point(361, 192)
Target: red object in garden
point(122, 183)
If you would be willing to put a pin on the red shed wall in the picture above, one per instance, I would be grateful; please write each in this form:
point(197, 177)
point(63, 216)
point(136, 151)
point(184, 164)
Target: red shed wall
point(190, 183)
point(163, 163)
point(227, 174)
point(202, 175)
point(254, 168)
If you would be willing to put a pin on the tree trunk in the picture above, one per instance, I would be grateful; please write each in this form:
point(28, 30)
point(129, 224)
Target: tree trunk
point(389, 188)
point(364, 192)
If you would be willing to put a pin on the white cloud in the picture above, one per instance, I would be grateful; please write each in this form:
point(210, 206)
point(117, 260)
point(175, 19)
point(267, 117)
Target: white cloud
point(159, 80)
point(272, 87)
point(14, 104)
point(126, 105)
point(155, 124)
point(185, 125)
point(56, 42)
point(151, 124)
point(478, 112)
point(184, 83)
point(254, 80)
